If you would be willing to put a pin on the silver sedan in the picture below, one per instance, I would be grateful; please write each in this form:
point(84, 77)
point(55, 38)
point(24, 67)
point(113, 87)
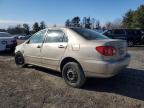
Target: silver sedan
point(75, 52)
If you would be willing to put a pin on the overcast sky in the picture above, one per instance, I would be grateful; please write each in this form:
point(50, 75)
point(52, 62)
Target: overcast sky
point(13, 12)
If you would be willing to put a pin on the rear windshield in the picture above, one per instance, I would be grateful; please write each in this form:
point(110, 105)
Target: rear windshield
point(89, 34)
point(5, 35)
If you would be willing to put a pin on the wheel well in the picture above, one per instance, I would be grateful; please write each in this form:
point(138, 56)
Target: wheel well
point(66, 60)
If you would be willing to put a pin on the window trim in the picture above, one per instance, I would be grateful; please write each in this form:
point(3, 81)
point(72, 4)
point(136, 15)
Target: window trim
point(28, 41)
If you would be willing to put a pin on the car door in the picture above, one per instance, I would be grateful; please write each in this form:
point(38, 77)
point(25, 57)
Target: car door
point(32, 51)
point(54, 48)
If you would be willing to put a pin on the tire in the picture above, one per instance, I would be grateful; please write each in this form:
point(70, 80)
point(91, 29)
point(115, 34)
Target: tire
point(19, 60)
point(130, 43)
point(73, 75)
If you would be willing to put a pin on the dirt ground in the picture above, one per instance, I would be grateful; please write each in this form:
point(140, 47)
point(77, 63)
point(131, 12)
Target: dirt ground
point(35, 87)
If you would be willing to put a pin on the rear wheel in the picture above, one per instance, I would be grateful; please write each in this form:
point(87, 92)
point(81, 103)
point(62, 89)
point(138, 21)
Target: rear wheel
point(19, 60)
point(73, 75)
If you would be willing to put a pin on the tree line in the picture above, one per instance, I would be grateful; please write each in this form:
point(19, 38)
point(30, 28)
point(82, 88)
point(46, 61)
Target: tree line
point(25, 28)
point(87, 22)
point(134, 18)
point(131, 19)
point(92, 23)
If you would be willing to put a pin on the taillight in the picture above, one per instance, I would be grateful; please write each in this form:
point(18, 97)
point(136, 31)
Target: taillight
point(106, 50)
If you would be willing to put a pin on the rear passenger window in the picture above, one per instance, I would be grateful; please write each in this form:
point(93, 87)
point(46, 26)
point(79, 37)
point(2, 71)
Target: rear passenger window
point(119, 32)
point(56, 36)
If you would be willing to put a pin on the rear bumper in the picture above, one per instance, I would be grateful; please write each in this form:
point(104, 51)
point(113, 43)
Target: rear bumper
point(104, 69)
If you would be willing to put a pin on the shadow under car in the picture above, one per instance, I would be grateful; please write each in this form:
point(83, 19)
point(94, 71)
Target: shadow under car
point(130, 82)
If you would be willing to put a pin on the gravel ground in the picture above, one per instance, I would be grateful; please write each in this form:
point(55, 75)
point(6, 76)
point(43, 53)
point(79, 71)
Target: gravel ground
point(35, 87)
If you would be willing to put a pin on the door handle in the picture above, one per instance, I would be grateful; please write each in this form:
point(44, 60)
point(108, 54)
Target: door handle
point(38, 46)
point(61, 46)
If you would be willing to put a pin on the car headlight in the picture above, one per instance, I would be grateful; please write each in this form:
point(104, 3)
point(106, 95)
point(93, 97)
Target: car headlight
point(4, 42)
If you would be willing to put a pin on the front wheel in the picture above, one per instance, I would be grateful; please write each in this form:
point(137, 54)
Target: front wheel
point(73, 75)
point(19, 60)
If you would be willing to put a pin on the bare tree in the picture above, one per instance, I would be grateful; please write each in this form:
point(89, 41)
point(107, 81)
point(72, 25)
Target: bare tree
point(98, 26)
point(92, 23)
point(116, 24)
point(87, 22)
point(108, 25)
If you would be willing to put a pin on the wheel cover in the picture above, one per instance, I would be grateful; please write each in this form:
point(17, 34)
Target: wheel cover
point(72, 75)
